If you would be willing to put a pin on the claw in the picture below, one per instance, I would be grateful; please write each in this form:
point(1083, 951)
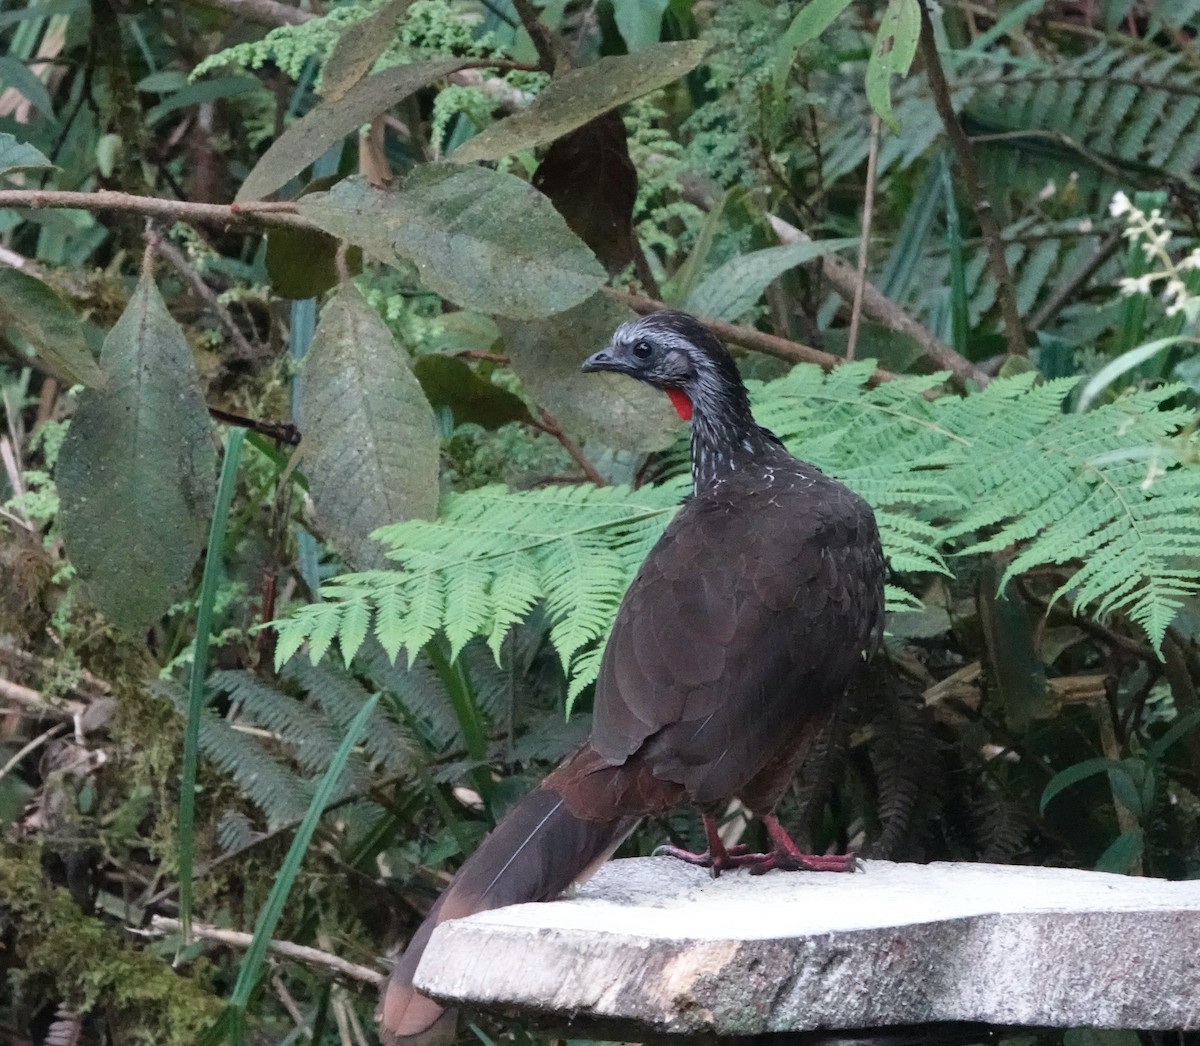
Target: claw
point(786, 855)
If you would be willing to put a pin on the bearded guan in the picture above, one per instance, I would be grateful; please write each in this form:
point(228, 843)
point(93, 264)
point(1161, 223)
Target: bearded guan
point(742, 630)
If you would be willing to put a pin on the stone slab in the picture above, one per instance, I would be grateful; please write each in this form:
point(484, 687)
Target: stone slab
point(659, 946)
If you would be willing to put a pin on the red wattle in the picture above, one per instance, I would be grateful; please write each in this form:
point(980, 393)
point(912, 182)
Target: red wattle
point(682, 405)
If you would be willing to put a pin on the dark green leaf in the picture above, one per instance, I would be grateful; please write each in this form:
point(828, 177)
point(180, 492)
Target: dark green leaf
point(369, 447)
point(200, 92)
point(452, 383)
point(18, 156)
point(302, 263)
point(136, 469)
point(1018, 672)
point(483, 239)
point(892, 55)
point(1125, 788)
point(36, 312)
point(330, 122)
point(1073, 775)
point(582, 95)
point(618, 412)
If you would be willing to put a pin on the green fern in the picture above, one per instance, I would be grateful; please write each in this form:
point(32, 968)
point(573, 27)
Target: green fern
point(1117, 107)
point(1107, 487)
point(483, 566)
point(1002, 467)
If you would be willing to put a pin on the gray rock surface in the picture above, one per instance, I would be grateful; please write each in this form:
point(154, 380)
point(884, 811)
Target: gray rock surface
point(658, 945)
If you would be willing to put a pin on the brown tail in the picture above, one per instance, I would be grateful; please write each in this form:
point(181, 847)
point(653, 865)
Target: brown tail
point(535, 853)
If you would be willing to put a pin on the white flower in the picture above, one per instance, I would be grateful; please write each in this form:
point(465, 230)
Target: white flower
point(1136, 284)
point(1120, 204)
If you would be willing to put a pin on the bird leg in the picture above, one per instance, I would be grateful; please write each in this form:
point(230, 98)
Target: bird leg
point(718, 856)
point(787, 856)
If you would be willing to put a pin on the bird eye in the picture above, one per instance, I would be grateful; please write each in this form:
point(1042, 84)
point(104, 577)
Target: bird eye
point(643, 350)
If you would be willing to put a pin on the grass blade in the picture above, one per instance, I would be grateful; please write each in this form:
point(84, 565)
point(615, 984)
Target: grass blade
point(191, 734)
point(233, 1020)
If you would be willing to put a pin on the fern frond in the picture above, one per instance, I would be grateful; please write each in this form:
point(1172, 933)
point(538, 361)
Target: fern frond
point(1004, 467)
point(1116, 105)
point(309, 736)
point(280, 793)
point(341, 697)
point(1059, 487)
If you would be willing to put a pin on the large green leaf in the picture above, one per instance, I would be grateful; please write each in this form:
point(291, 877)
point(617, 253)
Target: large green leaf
point(611, 408)
point(136, 469)
point(581, 95)
point(370, 447)
point(737, 285)
point(332, 120)
point(358, 48)
point(485, 240)
point(36, 312)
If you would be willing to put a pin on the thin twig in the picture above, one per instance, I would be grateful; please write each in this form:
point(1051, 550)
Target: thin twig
point(32, 746)
point(1064, 612)
point(551, 427)
point(162, 924)
point(868, 209)
point(250, 215)
point(56, 709)
point(549, 46)
point(843, 279)
point(748, 337)
point(289, 1004)
point(964, 155)
point(188, 271)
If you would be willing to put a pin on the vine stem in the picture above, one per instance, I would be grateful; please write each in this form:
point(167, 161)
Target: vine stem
point(964, 155)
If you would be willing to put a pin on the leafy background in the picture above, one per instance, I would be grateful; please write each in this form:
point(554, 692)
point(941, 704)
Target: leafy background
point(311, 530)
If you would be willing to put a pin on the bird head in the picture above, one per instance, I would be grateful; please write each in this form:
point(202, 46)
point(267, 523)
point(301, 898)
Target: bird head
point(674, 352)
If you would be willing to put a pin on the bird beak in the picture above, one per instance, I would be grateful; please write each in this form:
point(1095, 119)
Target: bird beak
point(600, 361)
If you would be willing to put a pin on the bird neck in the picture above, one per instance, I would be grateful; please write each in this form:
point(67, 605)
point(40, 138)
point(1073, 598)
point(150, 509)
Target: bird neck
point(726, 440)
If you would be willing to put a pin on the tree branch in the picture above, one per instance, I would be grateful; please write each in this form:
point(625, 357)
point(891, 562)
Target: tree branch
point(960, 145)
point(251, 215)
point(748, 337)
